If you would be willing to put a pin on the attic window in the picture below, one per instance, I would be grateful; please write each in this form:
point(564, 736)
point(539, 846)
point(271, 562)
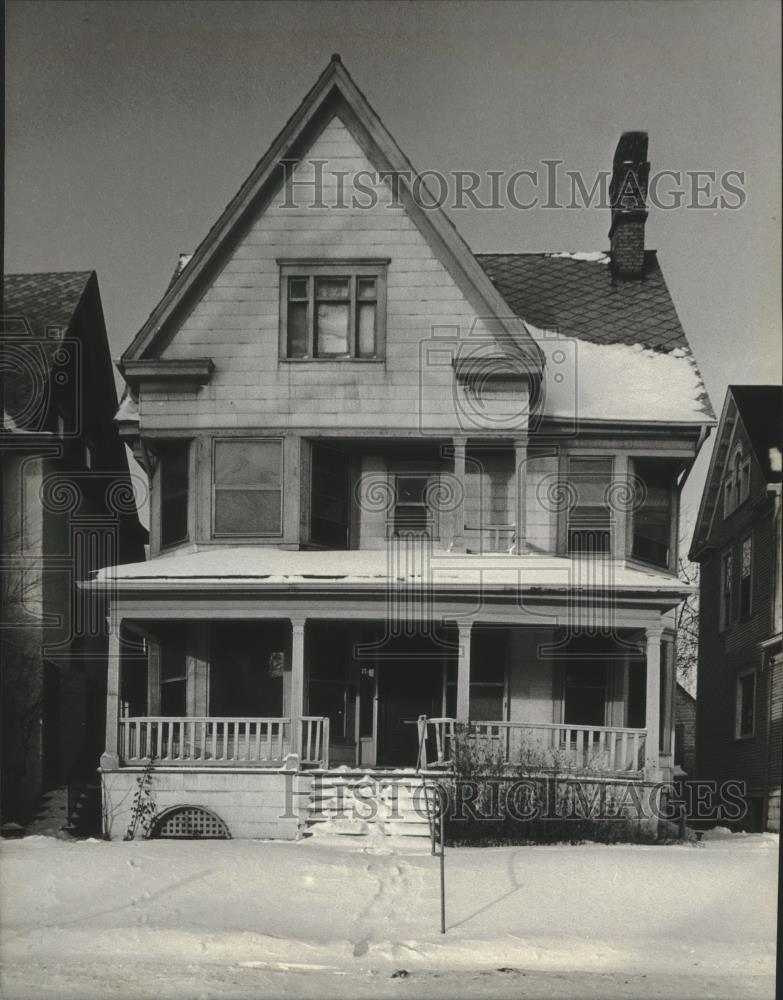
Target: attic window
point(332, 311)
point(737, 483)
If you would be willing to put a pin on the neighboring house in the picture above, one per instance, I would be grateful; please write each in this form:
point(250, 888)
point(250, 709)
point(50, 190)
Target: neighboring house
point(67, 508)
point(684, 732)
point(391, 479)
point(737, 542)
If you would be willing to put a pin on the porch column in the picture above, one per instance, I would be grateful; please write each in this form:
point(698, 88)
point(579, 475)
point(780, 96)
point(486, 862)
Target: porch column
point(110, 758)
point(653, 702)
point(458, 514)
point(296, 710)
point(463, 671)
point(520, 504)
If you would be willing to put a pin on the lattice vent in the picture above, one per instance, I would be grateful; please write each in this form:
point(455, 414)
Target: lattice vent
point(190, 823)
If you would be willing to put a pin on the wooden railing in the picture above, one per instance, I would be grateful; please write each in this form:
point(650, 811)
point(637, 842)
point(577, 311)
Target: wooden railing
point(217, 740)
point(203, 740)
point(542, 745)
point(315, 740)
point(490, 537)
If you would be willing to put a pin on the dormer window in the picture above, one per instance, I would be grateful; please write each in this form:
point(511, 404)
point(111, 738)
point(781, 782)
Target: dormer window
point(332, 311)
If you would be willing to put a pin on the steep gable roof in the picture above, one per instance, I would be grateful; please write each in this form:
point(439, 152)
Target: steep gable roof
point(334, 91)
point(40, 307)
point(761, 411)
point(758, 408)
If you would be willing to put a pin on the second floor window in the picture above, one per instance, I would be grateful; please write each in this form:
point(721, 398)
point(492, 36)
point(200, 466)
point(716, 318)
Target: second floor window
point(726, 581)
point(174, 480)
point(746, 577)
point(652, 522)
point(413, 515)
point(332, 311)
point(247, 481)
point(589, 516)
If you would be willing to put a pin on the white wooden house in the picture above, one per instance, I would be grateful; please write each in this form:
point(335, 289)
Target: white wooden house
point(392, 479)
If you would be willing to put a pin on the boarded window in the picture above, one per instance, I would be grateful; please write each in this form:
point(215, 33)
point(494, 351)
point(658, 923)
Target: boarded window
point(248, 487)
point(174, 461)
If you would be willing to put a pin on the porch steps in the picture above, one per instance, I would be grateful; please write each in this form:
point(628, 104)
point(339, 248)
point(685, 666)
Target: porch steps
point(360, 802)
point(65, 811)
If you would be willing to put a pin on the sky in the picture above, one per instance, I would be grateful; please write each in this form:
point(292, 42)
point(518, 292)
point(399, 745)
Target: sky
point(129, 126)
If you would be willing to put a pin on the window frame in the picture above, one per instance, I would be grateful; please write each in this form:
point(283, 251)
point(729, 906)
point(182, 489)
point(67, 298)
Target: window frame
point(745, 613)
point(738, 733)
point(609, 551)
point(352, 269)
point(726, 616)
point(637, 468)
point(243, 439)
point(432, 486)
point(163, 447)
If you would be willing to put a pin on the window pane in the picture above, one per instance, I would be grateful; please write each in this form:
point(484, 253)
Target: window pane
point(297, 288)
point(746, 555)
point(174, 494)
point(172, 664)
point(332, 328)
point(365, 329)
point(247, 463)
point(411, 489)
point(298, 329)
point(247, 512)
point(332, 288)
point(366, 288)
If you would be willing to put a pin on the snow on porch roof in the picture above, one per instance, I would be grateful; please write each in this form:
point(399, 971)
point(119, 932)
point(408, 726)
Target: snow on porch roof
point(251, 566)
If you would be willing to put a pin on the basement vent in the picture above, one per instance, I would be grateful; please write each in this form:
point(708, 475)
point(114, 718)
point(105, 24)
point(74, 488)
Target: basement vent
point(190, 823)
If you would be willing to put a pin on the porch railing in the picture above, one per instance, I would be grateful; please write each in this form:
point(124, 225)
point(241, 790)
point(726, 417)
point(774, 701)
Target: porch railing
point(218, 740)
point(205, 740)
point(315, 740)
point(544, 745)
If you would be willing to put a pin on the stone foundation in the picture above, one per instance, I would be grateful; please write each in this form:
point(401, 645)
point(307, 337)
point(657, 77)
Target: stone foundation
point(252, 803)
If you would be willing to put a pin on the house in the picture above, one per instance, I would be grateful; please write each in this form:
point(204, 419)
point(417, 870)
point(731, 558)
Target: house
point(684, 732)
point(737, 542)
point(398, 491)
point(67, 508)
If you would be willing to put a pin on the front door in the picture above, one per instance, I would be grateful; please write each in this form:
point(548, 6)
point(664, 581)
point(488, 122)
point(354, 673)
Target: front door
point(407, 689)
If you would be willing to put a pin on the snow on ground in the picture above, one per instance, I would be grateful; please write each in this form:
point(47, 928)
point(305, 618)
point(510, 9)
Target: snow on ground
point(346, 907)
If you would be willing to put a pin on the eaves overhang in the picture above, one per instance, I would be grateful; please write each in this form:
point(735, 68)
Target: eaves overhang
point(185, 373)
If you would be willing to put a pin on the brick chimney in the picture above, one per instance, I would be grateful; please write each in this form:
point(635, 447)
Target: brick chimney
point(628, 199)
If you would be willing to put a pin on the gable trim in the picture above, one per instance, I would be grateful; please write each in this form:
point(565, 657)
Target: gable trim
point(335, 93)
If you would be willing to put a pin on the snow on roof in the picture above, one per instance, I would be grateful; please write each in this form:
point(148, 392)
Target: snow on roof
point(129, 407)
point(268, 566)
point(588, 381)
point(593, 256)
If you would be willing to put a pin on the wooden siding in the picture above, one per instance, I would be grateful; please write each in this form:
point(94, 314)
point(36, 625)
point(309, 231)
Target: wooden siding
point(236, 322)
point(724, 655)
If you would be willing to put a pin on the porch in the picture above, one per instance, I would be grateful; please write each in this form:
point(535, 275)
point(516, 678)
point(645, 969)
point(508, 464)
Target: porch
point(350, 693)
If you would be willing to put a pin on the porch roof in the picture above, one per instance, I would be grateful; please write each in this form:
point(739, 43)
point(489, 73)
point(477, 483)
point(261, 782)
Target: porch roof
point(261, 568)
